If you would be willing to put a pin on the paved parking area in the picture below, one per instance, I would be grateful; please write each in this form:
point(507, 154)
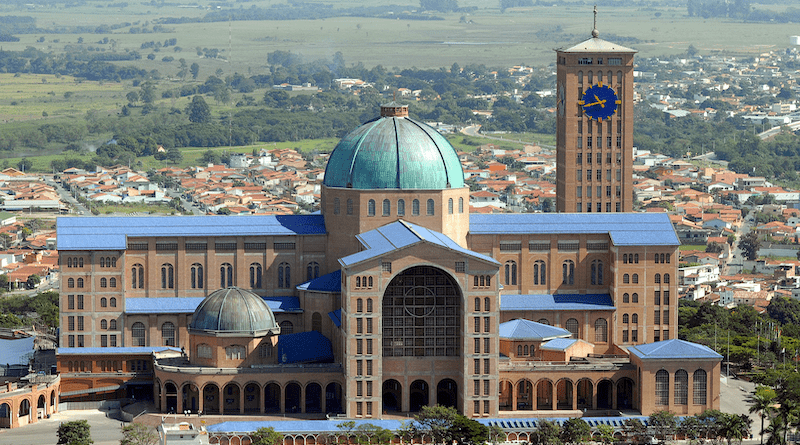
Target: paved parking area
point(105, 431)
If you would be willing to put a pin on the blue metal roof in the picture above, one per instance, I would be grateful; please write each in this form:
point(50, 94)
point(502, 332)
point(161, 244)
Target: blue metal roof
point(17, 351)
point(625, 229)
point(147, 350)
point(336, 317)
point(521, 329)
point(110, 232)
point(162, 305)
point(283, 304)
point(331, 282)
point(673, 349)
point(558, 344)
point(558, 302)
point(304, 347)
point(400, 234)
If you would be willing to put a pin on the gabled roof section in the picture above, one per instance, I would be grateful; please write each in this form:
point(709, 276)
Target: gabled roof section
point(559, 344)
point(521, 329)
point(162, 305)
point(283, 304)
point(597, 45)
point(111, 232)
point(401, 234)
point(559, 302)
point(304, 347)
point(331, 282)
point(625, 229)
point(672, 350)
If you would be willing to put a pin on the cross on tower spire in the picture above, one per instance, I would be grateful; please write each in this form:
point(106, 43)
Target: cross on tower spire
point(595, 33)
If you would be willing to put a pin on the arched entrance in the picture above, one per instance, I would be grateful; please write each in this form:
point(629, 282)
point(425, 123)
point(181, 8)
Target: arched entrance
point(585, 393)
point(446, 393)
point(544, 395)
point(605, 391)
point(24, 412)
point(525, 395)
point(313, 398)
point(211, 399)
point(624, 393)
point(272, 398)
point(506, 395)
point(564, 394)
point(231, 399)
point(392, 395)
point(419, 395)
point(333, 398)
point(292, 398)
point(190, 396)
point(171, 393)
point(41, 407)
point(252, 397)
point(5, 415)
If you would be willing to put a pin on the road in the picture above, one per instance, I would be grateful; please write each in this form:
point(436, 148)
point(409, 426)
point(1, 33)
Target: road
point(188, 206)
point(734, 264)
point(67, 197)
point(474, 130)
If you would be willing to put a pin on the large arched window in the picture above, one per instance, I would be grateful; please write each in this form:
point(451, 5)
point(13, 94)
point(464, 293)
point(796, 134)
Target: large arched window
point(662, 388)
point(568, 272)
point(197, 276)
point(80, 283)
point(657, 278)
point(104, 282)
point(371, 207)
point(235, 352)
point(600, 330)
point(401, 207)
point(138, 334)
point(430, 209)
point(103, 302)
point(387, 207)
point(112, 325)
point(626, 278)
point(626, 298)
point(225, 275)
point(167, 276)
point(539, 273)
point(635, 318)
point(104, 324)
point(597, 273)
point(312, 271)
point(204, 350)
point(415, 207)
point(573, 327)
point(168, 334)
point(635, 278)
point(666, 278)
point(137, 276)
point(625, 318)
point(284, 276)
point(70, 282)
point(511, 273)
point(681, 387)
point(112, 282)
point(256, 274)
point(286, 327)
point(112, 302)
point(700, 387)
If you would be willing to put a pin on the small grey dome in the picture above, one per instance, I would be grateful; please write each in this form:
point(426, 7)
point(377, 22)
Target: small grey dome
point(234, 312)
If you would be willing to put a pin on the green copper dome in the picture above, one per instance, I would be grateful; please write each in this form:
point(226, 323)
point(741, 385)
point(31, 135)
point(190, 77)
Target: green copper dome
point(394, 152)
point(234, 312)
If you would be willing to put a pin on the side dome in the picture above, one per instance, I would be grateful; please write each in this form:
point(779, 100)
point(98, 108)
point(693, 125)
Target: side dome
point(234, 312)
point(394, 151)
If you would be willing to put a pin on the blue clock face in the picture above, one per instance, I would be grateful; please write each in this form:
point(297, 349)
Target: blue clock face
point(599, 102)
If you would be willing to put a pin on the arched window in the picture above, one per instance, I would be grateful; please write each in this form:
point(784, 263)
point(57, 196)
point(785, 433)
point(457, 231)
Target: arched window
point(666, 278)
point(138, 334)
point(349, 206)
point(415, 207)
point(657, 278)
point(316, 322)
point(312, 271)
point(197, 276)
point(369, 305)
point(359, 302)
point(103, 282)
point(401, 207)
point(80, 283)
point(600, 330)
point(430, 210)
point(626, 298)
point(625, 318)
point(137, 276)
point(636, 258)
point(681, 387)
point(112, 282)
point(573, 327)
point(699, 383)
point(235, 352)
point(284, 276)
point(655, 258)
point(358, 282)
point(450, 206)
point(112, 325)
point(568, 272)
point(203, 350)
point(460, 205)
point(525, 350)
point(286, 327)
point(371, 207)
point(256, 274)
point(476, 281)
point(487, 306)
point(667, 259)
point(112, 302)
point(634, 297)
point(80, 262)
point(69, 262)
point(511, 273)
point(635, 318)
point(168, 334)
point(626, 278)
point(539, 273)
point(387, 207)
point(477, 304)
point(624, 258)
point(544, 321)
point(225, 275)
point(103, 302)
point(519, 350)
point(102, 261)
point(104, 324)
point(597, 273)
point(635, 278)
point(662, 258)
point(71, 282)
point(167, 276)
point(662, 388)
point(113, 261)
point(336, 205)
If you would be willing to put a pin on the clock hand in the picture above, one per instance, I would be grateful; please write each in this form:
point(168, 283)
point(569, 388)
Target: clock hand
point(600, 102)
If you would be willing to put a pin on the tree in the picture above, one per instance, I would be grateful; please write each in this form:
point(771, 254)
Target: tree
point(33, 281)
point(173, 155)
point(195, 70)
point(24, 165)
point(734, 427)
point(664, 423)
point(198, 110)
point(436, 422)
point(750, 244)
point(148, 93)
point(138, 434)
point(469, 431)
point(714, 247)
point(575, 430)
point(76, 432)
point(266, 436)
point(132, 97)
point(762, 401)
point(210, 157)
point(547, 433)
point(605, 433)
